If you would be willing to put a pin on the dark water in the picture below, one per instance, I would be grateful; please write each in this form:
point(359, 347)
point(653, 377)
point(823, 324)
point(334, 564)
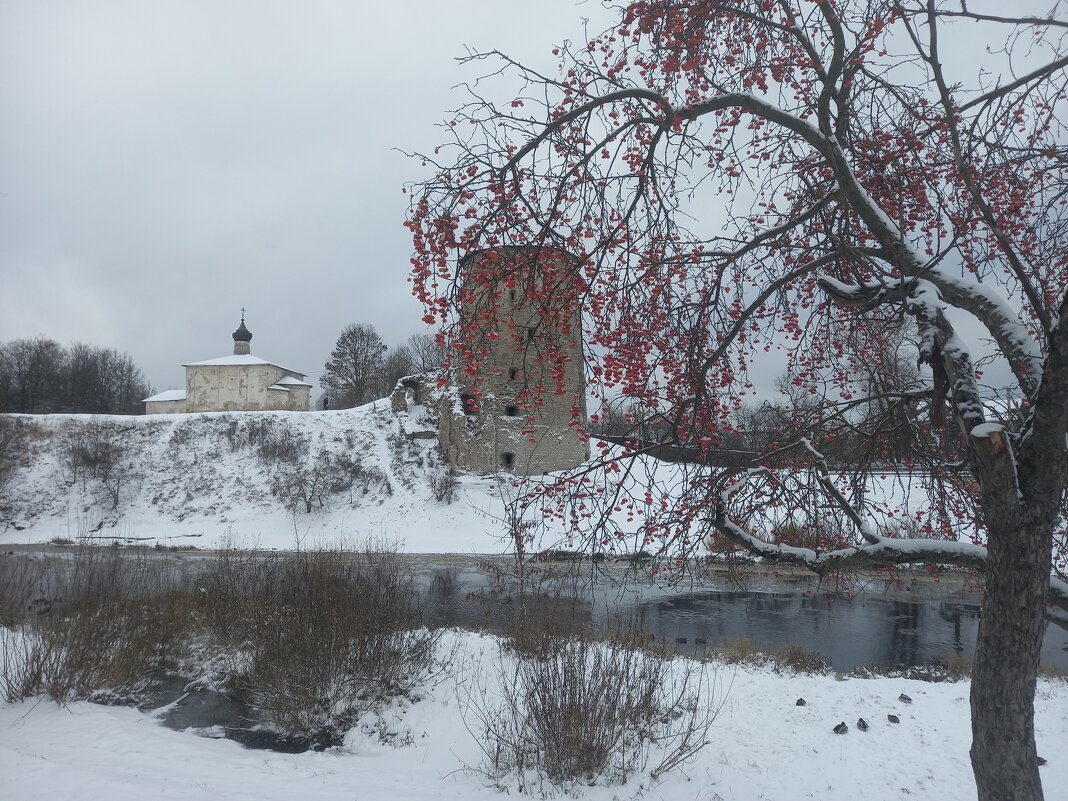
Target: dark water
point(909, 623)
point(898, 628)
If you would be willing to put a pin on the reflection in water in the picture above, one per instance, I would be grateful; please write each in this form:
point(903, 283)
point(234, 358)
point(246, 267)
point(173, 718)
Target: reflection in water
point(866, 630)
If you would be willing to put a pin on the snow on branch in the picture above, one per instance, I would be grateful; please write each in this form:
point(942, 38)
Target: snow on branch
point(884, 551)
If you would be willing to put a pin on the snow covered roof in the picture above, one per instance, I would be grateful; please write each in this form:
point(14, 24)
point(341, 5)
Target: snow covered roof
point(167, 395)
point(290, 381)
point(280, 389)
point(236, 360)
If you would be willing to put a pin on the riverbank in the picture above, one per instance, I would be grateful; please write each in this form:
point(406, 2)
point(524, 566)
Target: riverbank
point(762, 745)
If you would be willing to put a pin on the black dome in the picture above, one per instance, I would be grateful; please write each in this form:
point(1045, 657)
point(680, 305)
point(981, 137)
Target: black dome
point(242, 334)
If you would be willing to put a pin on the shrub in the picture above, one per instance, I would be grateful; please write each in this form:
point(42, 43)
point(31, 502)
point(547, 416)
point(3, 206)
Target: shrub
point(321, 637)
point(105, 619)
point(95, 450)
point(801, 660)
point(14, 446)
point(443, 485)
point(592, 711)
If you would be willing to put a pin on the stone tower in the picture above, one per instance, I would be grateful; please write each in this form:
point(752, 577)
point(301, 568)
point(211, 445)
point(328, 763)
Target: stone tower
point(242, 338)
point(521, 406)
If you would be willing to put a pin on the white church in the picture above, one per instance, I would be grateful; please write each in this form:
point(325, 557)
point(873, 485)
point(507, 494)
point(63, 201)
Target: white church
point(239, 382)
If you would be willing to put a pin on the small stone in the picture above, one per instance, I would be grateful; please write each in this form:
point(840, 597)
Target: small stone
point(841, 728)
point(680, 640)
point(800, 702)
point(1040, 761)
point(904, 699)
point(862, 724)
point(893, 718)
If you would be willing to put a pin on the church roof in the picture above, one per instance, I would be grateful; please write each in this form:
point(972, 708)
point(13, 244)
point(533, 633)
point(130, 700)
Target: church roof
point(167, 395)
point(290, 381)
point(242, 334)
point(237, 360)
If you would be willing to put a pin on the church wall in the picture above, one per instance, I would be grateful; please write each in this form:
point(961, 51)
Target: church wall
point(225, 388)
point(165, 407)
point(299, 398)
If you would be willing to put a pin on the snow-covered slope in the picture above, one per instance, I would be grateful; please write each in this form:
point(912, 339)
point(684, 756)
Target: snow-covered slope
point(264, 479)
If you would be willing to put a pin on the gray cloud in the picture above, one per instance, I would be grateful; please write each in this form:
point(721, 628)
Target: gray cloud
point(164, 163)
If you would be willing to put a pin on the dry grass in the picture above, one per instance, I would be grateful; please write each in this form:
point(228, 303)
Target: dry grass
point(542, 622)
point(1048, 670)
point(801, 660)
point(957, 666)
point(575, 711)
point(742, 651)
point(310, 640)
point(104, 619)
point(745, 651)
point(317, 637)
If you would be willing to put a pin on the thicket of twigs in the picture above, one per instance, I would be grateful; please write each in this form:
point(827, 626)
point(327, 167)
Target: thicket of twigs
point(310, 640)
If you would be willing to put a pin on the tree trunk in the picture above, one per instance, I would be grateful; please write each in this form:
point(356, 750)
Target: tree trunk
point(1005, 671)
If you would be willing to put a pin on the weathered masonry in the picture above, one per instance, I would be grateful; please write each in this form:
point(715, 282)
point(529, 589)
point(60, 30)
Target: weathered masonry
point(240, 382)
point(524, 405)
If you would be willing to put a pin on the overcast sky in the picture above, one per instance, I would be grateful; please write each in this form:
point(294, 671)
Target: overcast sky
point(164, 163)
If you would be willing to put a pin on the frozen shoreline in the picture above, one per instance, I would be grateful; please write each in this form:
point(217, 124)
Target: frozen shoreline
point(763, 746)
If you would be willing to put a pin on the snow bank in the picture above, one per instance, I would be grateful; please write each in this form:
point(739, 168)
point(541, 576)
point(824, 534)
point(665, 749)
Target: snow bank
point(763, 746)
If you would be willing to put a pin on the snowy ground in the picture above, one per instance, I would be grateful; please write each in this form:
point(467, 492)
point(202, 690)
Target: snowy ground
point(200, 480)
point(212, 479)
point(763, 747)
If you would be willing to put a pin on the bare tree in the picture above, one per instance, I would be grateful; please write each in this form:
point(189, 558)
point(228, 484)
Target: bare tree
point(30, 375)
point(426, 353)
point(351, 375)
point(397, 364)
point(39, 375)
point(858, 181)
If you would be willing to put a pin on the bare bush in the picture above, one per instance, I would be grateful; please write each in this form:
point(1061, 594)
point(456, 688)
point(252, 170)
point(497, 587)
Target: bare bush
point(310, 486)
point(319, 637)
point(589, 712)
point(95, 450)
point(444, 484)
point(307, 487)
point(105, 619)
point(13, 446)
point(272, 442)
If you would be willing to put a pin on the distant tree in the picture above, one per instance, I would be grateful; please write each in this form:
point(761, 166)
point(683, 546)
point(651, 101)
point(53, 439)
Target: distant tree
point(397, 364)
point(29, 374)
point(101, 380)
point(353, 372)
point(426, 353)
point(40, 376)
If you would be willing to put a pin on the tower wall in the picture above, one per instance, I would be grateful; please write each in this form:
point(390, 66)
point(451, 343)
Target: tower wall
point(530, 383)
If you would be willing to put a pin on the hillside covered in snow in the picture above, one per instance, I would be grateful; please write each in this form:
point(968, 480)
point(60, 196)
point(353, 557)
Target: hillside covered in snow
point(255, 479)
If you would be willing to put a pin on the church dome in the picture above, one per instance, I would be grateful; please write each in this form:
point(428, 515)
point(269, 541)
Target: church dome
point(242, 334)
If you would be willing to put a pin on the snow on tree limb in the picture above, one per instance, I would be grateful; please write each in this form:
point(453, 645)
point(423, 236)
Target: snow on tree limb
point(880, 552)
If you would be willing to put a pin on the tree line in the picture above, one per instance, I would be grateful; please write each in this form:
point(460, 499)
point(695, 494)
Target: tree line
point(40, 376)
point(361, 368)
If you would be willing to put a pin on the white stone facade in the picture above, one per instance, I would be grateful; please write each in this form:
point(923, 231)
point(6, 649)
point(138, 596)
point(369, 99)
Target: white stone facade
point(241, 382)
